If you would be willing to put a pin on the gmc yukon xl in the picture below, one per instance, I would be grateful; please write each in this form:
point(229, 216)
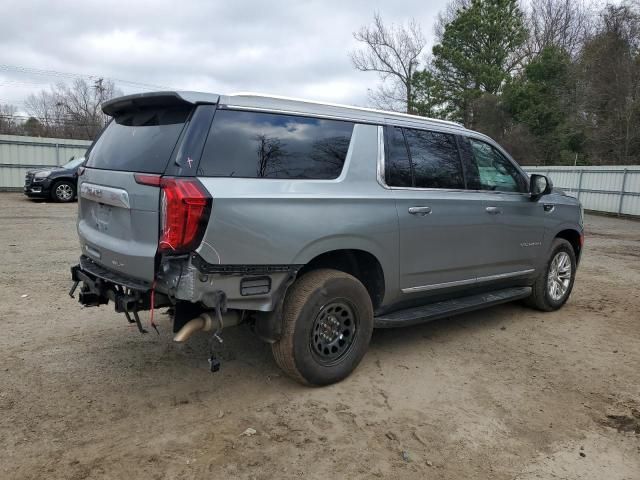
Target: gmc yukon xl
point(315, 223)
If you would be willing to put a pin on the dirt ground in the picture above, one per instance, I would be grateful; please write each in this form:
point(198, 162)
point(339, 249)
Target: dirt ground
point(506, 393)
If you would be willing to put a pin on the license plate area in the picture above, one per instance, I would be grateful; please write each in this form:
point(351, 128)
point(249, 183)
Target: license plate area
point(101, 215)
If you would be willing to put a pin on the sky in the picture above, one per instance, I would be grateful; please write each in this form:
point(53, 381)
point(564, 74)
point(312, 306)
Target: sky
point(292, 48)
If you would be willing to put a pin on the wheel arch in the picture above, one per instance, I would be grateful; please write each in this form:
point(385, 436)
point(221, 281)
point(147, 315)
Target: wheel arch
point(574, 237)
point(361, 264)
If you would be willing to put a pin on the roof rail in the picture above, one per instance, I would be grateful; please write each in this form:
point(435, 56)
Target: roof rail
point(352, 107)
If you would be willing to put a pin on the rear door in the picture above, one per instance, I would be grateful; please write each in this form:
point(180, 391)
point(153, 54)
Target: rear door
point(439, 228)
point(118, 218)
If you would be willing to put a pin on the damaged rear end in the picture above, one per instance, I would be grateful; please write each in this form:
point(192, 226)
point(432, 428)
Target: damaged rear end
point(142, 211)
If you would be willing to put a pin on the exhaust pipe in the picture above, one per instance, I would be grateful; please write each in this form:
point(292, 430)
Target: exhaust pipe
point(206, 322)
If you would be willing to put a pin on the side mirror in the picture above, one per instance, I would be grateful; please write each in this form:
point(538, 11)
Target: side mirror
point(539, 185)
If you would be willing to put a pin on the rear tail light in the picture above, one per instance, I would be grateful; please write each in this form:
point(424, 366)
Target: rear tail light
point(184, 212)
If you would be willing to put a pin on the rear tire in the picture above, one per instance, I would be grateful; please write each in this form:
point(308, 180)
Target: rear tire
point(63, 191)
point(553, 285)
point(327, 325)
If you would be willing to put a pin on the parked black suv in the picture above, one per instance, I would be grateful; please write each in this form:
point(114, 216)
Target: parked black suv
point(58, 183)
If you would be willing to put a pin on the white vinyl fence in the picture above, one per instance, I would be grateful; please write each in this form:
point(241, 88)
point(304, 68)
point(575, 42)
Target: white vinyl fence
point(19, 154)
point(601, 189)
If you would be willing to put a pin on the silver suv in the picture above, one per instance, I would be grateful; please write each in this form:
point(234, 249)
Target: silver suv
point(314, 223)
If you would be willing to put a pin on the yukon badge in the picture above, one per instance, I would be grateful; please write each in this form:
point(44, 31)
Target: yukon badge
point(531, 244)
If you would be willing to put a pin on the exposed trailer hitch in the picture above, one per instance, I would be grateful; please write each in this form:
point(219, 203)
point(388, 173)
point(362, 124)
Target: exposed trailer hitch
point(127, 299)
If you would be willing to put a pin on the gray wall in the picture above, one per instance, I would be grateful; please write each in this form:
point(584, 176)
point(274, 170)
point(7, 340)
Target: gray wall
point(18, 154)
point(601, 189)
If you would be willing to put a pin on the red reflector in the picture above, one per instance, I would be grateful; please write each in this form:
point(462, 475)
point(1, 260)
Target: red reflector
point(185, 207)
point(147, 179)
point(582, 240)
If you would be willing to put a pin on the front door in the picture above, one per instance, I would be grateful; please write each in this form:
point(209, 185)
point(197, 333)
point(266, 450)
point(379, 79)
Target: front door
point(516, 231)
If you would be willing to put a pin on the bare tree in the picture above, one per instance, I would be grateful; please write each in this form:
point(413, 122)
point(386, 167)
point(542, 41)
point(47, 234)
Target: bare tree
point(393, 53)
point(8, 119)
point(82, 102)
point(72, 110)
point(47, 109)
point(559, 23)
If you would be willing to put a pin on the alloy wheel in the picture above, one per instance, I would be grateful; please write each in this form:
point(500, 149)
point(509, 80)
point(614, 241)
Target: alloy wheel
point(64, 192)
point(559, 276)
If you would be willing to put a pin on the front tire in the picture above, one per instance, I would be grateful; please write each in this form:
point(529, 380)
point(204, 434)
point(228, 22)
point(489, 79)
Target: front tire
point(327, 325)
point(63, 191)
point(553, 286)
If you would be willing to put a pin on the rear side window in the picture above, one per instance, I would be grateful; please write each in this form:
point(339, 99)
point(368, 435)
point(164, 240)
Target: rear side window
point(266, 145)
point(435, 160)
point(140, 141)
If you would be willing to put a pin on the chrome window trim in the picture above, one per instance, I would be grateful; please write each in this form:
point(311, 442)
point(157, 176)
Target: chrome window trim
point(468, 281)
point(380, 172)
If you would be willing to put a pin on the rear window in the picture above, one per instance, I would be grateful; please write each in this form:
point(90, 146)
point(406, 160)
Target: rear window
point(266, 145)
point(140, 141)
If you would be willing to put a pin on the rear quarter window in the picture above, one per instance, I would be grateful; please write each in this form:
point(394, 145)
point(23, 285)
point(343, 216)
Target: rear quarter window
point(267, 145)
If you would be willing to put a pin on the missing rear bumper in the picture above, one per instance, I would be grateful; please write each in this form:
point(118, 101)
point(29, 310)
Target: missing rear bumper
point(98, 286)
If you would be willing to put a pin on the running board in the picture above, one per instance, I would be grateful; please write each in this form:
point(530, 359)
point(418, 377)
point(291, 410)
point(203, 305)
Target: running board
point(447, 308)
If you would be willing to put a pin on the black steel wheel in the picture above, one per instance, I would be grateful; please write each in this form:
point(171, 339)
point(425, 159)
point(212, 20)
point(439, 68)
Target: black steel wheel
point(327, 321)
point(333, 331)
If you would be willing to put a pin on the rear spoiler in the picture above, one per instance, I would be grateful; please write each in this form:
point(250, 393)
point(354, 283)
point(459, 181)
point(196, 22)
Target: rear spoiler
point(156, 99)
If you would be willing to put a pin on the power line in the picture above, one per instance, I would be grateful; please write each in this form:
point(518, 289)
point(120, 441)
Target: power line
point(55, 73)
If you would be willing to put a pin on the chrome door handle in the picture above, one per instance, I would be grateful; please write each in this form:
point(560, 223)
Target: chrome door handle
point(493, 210)
point(419, 210)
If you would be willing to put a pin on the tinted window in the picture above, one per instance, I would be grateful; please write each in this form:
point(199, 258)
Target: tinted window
point(265, 145)
point(397, 166)
point(435, 161)
point(495, 171)
point(139, 141)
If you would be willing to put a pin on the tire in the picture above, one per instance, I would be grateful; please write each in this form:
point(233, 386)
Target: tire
point(63, 191)
point(544, 297)
point(322, 309)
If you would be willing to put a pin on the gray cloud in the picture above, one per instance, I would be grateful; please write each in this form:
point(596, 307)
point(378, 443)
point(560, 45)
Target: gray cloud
point(295, 48)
